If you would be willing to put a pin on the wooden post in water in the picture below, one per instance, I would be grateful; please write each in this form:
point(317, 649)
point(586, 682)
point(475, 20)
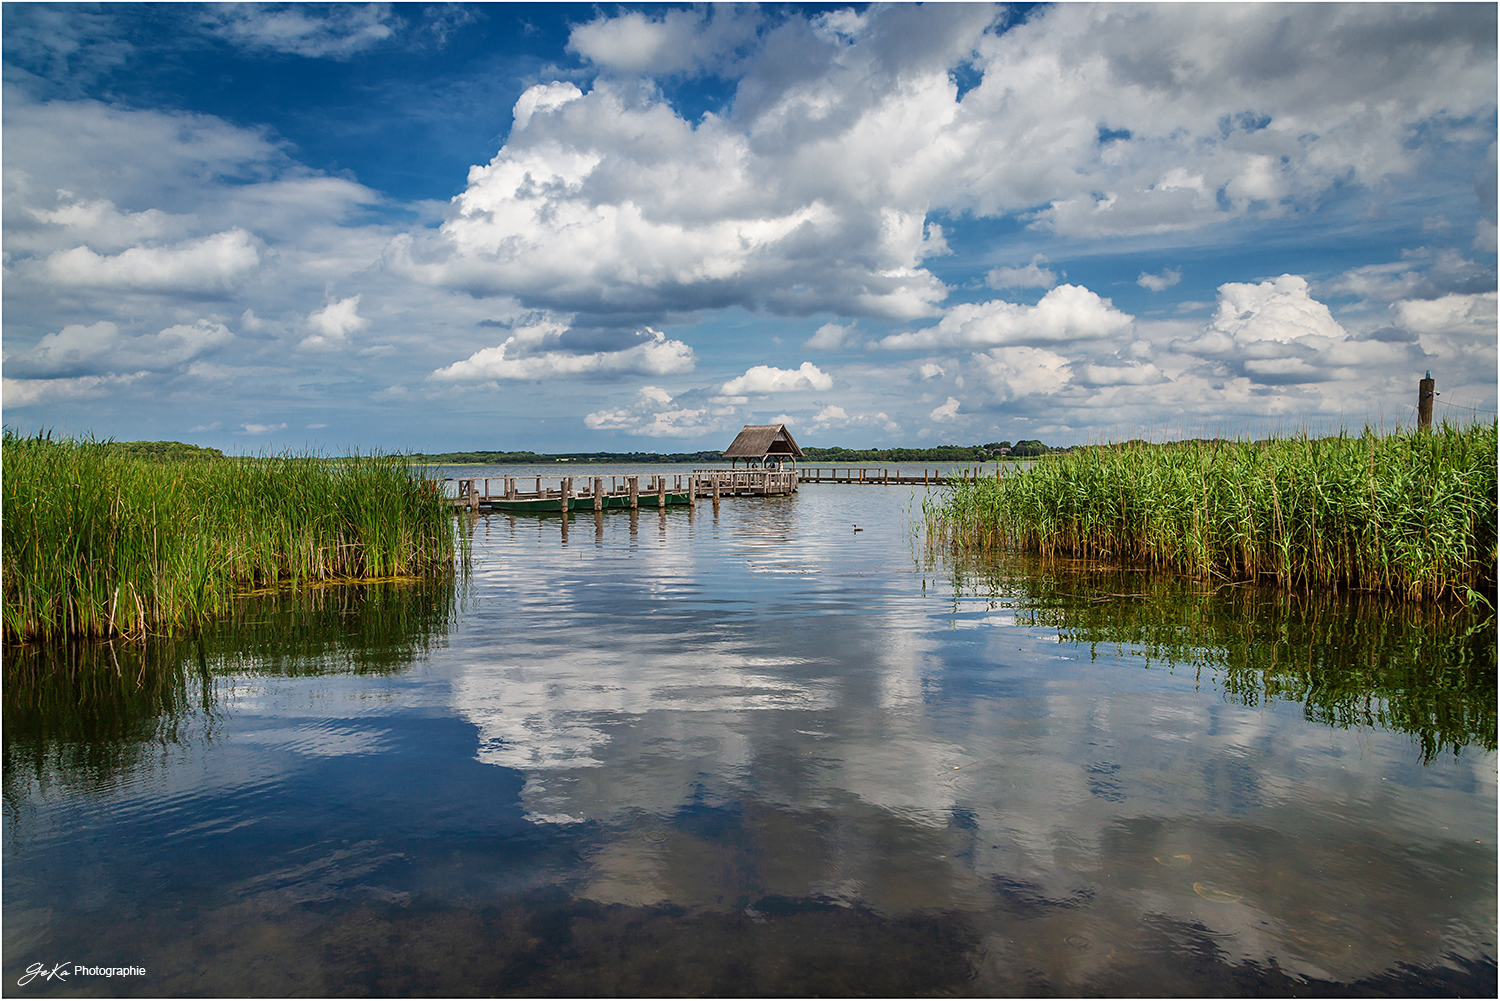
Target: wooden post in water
point(661, 492)
point(565, 493)
point(1425, 393)
point(633, 483)
point(473, 496)
point(598, 493)
point(539, 487)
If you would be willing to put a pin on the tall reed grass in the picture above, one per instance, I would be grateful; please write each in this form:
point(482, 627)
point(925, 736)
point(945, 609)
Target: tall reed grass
point(1409, 513)
point(98, 543)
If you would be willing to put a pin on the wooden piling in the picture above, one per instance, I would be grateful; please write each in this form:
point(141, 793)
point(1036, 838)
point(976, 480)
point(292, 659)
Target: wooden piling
point(1426, 390)
point(598, 493)
point(634, 485)
point(661, 492)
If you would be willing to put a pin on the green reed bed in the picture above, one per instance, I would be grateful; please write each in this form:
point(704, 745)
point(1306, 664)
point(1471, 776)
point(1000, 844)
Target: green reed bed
point(100, 543)
point(1409, 513)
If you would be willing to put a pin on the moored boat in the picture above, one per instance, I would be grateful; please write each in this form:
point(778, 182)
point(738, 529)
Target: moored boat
point(609, 502)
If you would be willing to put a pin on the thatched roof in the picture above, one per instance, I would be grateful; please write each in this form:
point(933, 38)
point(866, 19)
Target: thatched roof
point(756, 441)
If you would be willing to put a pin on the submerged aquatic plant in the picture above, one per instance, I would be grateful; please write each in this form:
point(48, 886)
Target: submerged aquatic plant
point(101, 543)
point(1408, 513)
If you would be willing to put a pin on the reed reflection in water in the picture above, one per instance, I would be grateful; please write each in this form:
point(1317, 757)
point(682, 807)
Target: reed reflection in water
point(760, 753)
point(1350, 659)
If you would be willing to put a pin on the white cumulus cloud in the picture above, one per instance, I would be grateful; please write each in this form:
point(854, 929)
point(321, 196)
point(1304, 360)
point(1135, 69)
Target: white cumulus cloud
point(762, 379)
point(945, 414)
point(1032, 275)
point(1017, 372)
point(30, 392)
point(98, 348)
point(332, 325)
point(829, 337)
point(1066, 313)
point(654, 355)
point(1280, 309)
point(653, 415)
point(1472, 315)
point(665, 42)
point(1161, 282)
point(332, 30)
point(214, 264)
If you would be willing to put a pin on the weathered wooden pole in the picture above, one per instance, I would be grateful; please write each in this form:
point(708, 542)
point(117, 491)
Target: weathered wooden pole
point(598, 493)
point(633, 483)
point(1425, 393)
point(661, 492)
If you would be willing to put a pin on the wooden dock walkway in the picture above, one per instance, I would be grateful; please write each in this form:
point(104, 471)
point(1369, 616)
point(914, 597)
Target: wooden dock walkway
point(866, 476)
point(537, 495)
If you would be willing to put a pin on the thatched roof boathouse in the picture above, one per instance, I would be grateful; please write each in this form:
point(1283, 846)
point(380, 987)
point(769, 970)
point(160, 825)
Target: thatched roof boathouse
point(766, 446)
point(763, 444)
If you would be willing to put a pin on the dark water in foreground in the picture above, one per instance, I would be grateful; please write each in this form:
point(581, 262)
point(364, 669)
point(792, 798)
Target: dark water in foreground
point(761, 754)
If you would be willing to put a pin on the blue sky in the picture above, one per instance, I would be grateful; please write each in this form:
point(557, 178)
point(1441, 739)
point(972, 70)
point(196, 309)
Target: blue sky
point(598, 227)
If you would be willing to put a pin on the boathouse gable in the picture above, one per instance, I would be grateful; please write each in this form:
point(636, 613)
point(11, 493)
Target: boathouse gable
point(759, 442)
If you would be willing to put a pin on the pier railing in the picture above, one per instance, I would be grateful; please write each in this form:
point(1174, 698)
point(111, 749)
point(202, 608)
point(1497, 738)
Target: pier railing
point(483, 491)
point(602, 492)
point(879, 476)
point(655, 490)
point(747, 482)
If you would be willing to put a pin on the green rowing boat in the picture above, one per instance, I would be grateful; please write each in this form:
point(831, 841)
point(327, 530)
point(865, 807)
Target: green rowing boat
point(553, 505)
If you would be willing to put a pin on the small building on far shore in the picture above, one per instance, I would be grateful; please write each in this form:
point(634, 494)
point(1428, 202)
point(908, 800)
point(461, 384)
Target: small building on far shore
point(765, 444)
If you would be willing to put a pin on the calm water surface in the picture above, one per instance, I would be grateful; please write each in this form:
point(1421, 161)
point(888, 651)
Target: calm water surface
point(761, 753)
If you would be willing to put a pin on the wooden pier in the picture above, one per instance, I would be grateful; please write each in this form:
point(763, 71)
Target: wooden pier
point(865, 476)
point(538, 495)
point(554, 494)
point(747, 482)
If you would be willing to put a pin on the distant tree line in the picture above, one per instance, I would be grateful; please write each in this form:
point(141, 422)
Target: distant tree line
point(839, 456)
point(835, 455)
point(175, 451)
point(160, 451)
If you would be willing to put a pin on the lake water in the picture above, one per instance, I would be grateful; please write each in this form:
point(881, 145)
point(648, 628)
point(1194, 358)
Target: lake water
point(759, 752)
